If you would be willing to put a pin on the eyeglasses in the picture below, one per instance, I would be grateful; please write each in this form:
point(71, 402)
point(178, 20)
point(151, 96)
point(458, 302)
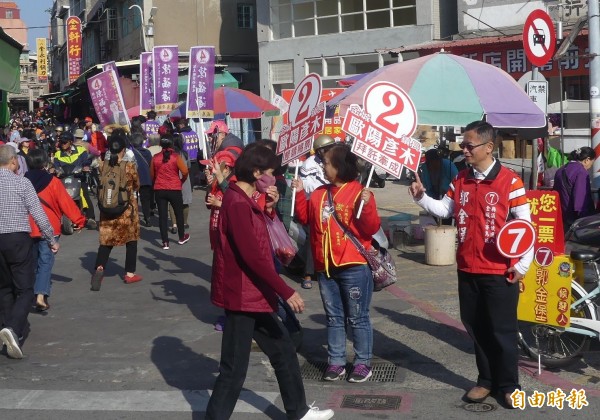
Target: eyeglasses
point(470, 146)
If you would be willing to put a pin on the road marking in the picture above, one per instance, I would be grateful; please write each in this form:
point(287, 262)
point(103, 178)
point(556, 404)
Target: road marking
point(171, 401)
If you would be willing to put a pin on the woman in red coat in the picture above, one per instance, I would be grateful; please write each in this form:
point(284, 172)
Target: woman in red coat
point(55, 202)
point(246, 285)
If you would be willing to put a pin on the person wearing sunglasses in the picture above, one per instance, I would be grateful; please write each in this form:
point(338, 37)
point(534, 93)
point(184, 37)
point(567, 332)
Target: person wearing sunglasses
point(481, 199)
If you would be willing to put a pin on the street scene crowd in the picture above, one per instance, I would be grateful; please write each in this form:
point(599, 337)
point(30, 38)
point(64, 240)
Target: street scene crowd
point(124, 175)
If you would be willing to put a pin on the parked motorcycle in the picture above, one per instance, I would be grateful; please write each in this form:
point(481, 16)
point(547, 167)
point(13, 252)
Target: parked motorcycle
point(72, 183)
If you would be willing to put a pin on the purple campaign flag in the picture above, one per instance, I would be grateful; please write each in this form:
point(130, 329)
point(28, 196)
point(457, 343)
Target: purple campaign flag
point(165, 69)
point(201, 83)
point(191, 143)
point(111, 65)
point(107, 99)
point(146, 83)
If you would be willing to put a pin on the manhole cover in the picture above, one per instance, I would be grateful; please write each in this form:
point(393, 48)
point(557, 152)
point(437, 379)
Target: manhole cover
point(371, 402)
point(382, 372)
point(479, 407)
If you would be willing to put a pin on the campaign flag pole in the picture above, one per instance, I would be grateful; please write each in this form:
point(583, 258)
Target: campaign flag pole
point(362, 202)
point(294, 189)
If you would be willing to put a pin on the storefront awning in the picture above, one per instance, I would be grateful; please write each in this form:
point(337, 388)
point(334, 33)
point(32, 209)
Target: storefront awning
point(10, 71)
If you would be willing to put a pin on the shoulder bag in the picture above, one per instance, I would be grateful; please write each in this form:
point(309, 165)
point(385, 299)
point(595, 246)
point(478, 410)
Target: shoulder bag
point(379, 259)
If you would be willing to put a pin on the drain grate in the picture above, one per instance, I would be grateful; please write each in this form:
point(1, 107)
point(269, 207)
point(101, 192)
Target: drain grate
point(382, 372)
point(479, 407)
point(371, 402)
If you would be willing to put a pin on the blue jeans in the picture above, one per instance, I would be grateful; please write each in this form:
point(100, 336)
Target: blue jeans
point(347, 297)
point(43, 271)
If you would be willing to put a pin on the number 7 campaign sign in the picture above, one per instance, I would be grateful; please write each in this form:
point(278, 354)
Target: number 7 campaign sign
point(382, 129)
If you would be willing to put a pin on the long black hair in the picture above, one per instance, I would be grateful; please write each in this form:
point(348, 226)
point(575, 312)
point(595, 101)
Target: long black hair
point(116, 143)
point(166, 142)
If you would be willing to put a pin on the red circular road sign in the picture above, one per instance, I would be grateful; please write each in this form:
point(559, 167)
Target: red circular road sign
point(515, 238)
point(539, 37)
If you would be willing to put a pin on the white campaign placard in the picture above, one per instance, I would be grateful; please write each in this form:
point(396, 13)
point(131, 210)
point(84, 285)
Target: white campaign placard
point(538, 92)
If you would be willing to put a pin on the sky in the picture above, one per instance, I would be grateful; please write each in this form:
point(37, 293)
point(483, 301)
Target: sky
point(33, 13)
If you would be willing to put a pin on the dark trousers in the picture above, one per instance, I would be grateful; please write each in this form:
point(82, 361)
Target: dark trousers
point(130, 256)
point(488, 310)
point(273, 339)
point(146, 199)
point(17, 277)
point(175, 198)
point(89, 212)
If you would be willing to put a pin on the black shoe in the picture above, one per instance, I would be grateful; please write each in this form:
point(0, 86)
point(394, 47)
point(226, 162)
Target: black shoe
point(174, 229)
point(91, 224)
point(186, 226)
point(146, 223)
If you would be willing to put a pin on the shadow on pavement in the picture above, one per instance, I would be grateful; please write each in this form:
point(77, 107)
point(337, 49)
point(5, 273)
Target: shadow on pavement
point(184, 265)
point(186, 370)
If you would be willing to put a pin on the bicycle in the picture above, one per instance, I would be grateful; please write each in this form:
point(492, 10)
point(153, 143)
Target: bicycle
point(558, 347)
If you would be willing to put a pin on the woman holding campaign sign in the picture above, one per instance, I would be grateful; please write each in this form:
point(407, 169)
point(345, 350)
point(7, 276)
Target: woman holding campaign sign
point(345, 279)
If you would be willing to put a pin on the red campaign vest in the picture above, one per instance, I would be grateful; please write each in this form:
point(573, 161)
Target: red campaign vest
point(480, 210)
point(166, 175)
point(329, 244)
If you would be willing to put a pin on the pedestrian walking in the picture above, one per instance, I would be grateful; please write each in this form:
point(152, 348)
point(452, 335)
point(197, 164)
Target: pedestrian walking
point(245, 284)
point(481, 199)
point(56, 203)
point(123, 229)
point(143, 159)
point(186, 187)
point(169, 171)
point(345, 279)
point(18, 200)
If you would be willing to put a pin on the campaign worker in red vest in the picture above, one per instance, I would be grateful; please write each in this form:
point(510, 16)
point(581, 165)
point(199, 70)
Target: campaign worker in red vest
point(481, 199)
point(345, 279)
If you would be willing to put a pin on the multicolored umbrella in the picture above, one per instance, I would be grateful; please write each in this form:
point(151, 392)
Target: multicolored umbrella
point(451, 90)
point(237, 103)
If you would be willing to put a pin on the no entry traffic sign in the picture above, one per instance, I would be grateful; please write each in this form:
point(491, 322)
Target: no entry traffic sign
point(515, 238)
point(539, 38)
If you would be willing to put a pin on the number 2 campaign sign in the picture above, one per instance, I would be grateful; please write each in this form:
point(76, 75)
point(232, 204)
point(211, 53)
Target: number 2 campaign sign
point(382, 129)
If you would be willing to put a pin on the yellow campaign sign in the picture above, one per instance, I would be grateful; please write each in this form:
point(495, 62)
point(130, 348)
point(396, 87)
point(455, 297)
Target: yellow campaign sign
point(42, 60)
point(545, 292)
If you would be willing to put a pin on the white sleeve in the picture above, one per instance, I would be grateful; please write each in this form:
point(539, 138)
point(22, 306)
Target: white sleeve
point(443, 208)
point(523, 212)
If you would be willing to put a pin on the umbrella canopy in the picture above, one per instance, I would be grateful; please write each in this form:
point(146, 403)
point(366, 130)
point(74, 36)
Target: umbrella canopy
point(134, 111)
point(237, 103)
point(454, 91)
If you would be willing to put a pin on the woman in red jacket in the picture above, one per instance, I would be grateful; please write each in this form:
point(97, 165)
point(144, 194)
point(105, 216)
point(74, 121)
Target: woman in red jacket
point(55, 202)
point(246, 285)
point(169, 171)
point(345, 279)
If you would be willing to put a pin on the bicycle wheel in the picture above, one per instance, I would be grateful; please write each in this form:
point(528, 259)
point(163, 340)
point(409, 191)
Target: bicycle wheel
point(556, 347)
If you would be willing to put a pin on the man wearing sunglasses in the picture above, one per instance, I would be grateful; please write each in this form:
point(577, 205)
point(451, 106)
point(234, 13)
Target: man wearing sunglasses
point(481, 199)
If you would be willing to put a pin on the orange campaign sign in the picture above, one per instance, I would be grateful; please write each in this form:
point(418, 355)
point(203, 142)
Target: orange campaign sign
point(74, 49)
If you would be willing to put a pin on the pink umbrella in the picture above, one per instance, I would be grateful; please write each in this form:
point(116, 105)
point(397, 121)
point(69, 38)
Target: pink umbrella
point(134, 111)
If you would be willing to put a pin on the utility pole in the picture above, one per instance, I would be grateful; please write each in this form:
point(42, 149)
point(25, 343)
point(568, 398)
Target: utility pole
point(594, 44)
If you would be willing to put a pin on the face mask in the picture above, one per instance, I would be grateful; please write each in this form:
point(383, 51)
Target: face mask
point(265, 181)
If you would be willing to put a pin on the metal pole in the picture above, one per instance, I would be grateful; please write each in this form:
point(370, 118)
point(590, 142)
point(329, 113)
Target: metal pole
point(594, 44)
point(559, 36)
point(143, 25)
point(534, 143)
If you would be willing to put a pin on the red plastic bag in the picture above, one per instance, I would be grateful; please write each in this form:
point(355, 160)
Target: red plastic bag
point(284, 248)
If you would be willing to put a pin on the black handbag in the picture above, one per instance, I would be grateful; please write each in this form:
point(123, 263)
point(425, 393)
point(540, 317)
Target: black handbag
point(379, 259)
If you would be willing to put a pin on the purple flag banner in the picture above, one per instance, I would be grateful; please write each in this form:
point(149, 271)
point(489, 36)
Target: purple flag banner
point(201, 83)
point(191, 143)
point(146, 83)
point(107, 99)
point(164, 64)
point(111, 65)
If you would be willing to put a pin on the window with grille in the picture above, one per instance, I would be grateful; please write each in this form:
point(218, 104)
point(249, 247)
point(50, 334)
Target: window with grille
point(111, 24)
point(245, 15)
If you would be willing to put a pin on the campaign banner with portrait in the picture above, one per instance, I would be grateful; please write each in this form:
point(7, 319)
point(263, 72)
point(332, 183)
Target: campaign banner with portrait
point(201, 83)
point(146, 83)
point(74, 49)
point(107, 98)
point(165, 62)
point(42, 60)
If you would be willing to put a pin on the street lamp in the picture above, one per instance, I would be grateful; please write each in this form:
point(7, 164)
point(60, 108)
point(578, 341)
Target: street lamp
point(147, 29)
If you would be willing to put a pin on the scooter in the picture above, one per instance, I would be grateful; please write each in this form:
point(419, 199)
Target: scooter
point(72, 183)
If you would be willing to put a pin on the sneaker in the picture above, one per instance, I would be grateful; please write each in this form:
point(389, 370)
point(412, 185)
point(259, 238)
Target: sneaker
point(10, 339)
point(92, 224)
point(97, 278)
point(360, 373)
point(186, 238)
point(315, 414)
point(174, 229)
point(220, 324)
point(132, 279)
point(334, 373)
point(165, 245)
